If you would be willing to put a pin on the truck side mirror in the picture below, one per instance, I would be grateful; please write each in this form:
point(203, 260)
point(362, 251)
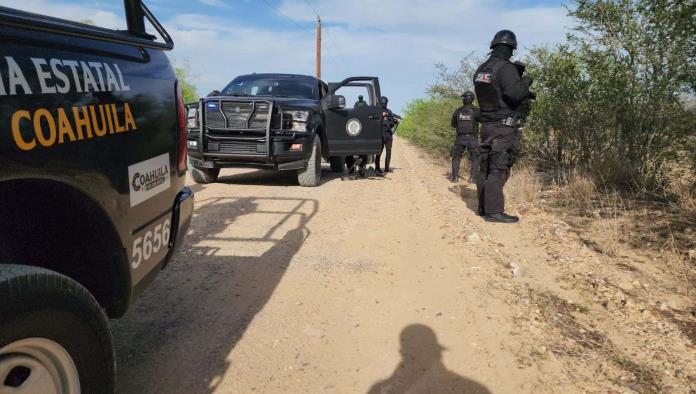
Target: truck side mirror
point(337, 101)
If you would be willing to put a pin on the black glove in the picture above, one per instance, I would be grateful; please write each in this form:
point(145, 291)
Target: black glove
point(528, 80)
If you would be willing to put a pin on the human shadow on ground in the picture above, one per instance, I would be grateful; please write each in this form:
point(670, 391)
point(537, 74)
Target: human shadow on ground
point(467, 192)
point(421, 369)
point(178, 336)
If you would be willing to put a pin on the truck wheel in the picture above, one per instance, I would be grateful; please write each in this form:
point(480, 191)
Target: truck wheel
point(54, 337)
point(338, 163)
point(310, 176)
point(204, 175)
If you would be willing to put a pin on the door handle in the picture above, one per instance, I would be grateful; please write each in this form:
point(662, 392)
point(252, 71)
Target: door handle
point(373, 117)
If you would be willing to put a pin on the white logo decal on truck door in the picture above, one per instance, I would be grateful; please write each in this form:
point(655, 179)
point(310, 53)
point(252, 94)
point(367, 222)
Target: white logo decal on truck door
point(148, 178)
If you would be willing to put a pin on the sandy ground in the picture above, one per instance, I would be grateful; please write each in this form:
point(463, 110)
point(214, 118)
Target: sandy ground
point(379, 285)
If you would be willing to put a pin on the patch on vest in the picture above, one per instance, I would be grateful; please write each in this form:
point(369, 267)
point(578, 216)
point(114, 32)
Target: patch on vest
point(464, 117)
point(484, 77)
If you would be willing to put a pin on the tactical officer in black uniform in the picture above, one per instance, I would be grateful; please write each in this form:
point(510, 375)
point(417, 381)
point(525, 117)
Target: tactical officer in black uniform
point(360, 103)
point(465, 120)
point(389, 122)
point(500, 90)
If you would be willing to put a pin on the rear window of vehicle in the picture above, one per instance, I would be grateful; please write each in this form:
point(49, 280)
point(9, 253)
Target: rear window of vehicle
point(106, 14)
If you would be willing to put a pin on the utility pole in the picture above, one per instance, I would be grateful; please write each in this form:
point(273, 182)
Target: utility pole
point(318, 47)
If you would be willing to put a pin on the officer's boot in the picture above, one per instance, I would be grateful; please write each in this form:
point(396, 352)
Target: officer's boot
point(501, 218)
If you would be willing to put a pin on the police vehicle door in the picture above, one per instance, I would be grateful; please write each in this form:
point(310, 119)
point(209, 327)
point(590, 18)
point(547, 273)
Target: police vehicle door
point(353, 131)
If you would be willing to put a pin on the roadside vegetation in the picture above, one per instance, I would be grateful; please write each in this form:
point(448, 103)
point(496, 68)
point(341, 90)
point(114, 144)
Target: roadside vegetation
point(609, 160)
point(188, 89)
point(613, 128)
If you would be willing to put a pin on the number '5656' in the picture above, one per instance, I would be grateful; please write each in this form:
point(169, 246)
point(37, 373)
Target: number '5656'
point(150, 244)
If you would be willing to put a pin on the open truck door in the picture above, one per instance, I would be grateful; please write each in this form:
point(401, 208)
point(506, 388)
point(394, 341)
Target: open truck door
point(353, 130)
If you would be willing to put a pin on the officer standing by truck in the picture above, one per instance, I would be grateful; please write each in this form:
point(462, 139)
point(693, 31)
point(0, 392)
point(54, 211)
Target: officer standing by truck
point(464, 120)
point(389, 123)
point(500, 90)
point(360, 103)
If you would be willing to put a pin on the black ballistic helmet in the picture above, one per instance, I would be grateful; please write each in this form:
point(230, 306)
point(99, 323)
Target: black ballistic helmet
point(383, 101)
point(468, 96)
point(506, 37)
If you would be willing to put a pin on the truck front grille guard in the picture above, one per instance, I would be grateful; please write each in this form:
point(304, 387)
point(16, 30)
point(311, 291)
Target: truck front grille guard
point(203, 126)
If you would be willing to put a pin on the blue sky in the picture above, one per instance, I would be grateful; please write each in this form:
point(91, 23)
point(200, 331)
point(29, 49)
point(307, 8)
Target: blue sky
point(397, 40)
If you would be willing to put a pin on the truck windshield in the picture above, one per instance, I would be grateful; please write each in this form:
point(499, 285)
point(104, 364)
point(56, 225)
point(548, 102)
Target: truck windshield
point(274, 86)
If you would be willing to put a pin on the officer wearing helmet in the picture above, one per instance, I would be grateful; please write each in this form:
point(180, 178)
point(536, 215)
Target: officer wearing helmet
point(464, 120)
point(360, 103)
point(500, 91)
point(389, 123)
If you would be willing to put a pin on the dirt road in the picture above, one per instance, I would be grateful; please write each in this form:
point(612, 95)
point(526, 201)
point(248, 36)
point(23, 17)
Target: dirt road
point(378, 285)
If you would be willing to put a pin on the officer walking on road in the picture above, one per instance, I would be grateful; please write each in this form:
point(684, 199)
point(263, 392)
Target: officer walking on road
point(389, 123)
point(500, 90)
point(465, 120)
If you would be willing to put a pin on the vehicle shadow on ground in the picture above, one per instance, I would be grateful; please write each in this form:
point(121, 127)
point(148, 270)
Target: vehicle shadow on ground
point(274, 178)
point(421, 369)
point(179, 334)
point(467, 192)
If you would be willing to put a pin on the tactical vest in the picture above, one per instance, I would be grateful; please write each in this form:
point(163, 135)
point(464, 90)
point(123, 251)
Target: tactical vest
point(487, 86)
point(465, 121)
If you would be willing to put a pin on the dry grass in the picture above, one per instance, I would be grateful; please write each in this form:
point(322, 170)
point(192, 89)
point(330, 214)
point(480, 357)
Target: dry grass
point(577, 191)
point(612, 215)
point(680, 259)
point(561, 315)
point(525, 185)
point(683, 193)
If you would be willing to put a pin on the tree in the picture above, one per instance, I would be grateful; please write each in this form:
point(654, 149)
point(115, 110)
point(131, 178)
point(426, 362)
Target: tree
point(188, 89)
point(451, 84)
point(612, 101)
point(609, 101)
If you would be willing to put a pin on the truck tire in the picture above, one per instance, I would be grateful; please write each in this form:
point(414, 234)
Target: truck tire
point(310, 176)
point(338, 163)
point(204, 175)
point(53, 335)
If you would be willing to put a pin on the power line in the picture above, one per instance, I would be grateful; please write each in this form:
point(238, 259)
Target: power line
point(312, 7)
point(333, 43)
point(296, 23)
point(279, 12)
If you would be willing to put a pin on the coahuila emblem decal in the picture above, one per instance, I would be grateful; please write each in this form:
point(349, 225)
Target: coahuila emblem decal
point(353, 127)
point(148, 178)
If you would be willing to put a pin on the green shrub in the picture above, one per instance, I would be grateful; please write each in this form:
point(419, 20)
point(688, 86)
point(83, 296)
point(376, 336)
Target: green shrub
point(427, 122)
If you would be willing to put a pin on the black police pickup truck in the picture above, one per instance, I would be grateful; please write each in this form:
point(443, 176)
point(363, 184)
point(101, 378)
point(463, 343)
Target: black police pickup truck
point(92, 195)
point(282, 122)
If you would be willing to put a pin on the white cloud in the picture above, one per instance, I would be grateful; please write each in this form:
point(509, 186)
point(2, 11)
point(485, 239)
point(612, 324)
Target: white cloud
point(99, 15)
point(397, 40)
point(401, 40)
point(217, 51)
point(214, 3)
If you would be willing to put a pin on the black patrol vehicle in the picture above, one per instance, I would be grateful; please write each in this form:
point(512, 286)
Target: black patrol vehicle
point(282, 122)
point(92, 195)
